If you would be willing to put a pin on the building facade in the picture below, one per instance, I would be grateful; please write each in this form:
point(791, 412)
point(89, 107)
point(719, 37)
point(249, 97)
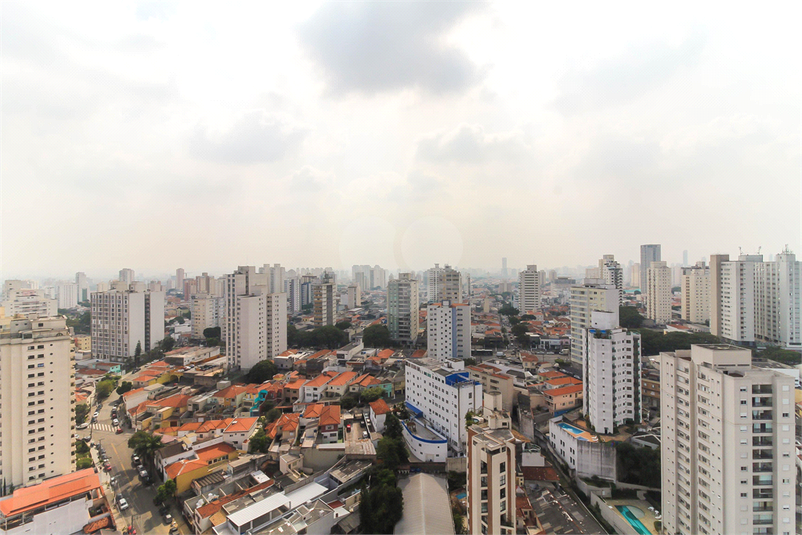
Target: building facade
point(490, 480)
point(529, 289)
point(448, 330)
point(727, 444)
point(123, 319)
point(37, 388)
point(648, 253)
point(325, 303)
point(208, 311)
point(403, 316)
point(28, 302)
point(658, 293)
point(696, 293)
point(594, 294)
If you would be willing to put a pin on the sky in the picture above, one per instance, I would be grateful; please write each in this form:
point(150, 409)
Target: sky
point(157, 135)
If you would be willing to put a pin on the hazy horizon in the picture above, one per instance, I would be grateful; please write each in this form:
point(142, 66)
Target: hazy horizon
point(160, 135)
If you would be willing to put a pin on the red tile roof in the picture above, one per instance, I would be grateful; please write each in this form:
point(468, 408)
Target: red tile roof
point(330, 415)
point(50, 491)
point(379, 407)
point(553, 392)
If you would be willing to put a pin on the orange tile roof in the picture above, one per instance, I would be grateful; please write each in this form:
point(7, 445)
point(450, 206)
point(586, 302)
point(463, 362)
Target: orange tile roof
point(190, 426)
point(420, 353)
point(342, 379)
point(174, 401)
point(204, 456)
point(211, 508)
point(313, 410)
point(554, 392)
point(320, 354)
point(230, 392)
point(320, 380)
point(330, 415)
point(50, 491)
point(296, 384)
point(561, 381)
point(132, 392)
point(379, 406)
point(386, 353)
point(552, 374)
point(97, 525)
point(241, 424)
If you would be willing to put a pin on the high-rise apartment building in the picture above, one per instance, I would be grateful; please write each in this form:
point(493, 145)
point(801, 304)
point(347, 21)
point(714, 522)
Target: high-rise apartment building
point(354, 296)
point(443, 392)
point(127, 275)
point(443, 284)
point(28, 302)
point(610, 272)
point(402, 308)
point(179, 278)
point(67, 294)
point(208, 311)
point(648, 254)
point(658, 293)
point(611, 373)
point(696, 293)
point(256, 320)
point(448, 330)
point(634, 274)
point(292, 287)
point(529, 289)
point(490, 481)
point(727, 444)
point(752, 301)
point(83, 286)
point(325, 302)
point(594, 294)
point(121, 319)
point(504, 268)
point(37, 388)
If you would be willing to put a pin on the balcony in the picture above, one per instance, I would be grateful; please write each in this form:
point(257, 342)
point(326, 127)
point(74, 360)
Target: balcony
point(762, 402)
point(763, 481)
point(761, 415)
point(762, 389)
point(762, 454)
point(762, 428)
point(762, 467)
point(762, 441)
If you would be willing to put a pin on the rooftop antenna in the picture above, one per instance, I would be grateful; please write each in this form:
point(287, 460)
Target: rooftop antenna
point(759, 248)
point(740, 250)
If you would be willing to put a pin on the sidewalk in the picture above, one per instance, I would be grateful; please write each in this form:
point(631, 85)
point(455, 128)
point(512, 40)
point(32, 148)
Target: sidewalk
point(119, 521)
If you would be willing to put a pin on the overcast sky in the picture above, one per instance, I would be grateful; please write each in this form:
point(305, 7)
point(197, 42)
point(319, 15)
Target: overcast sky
point(158, 135)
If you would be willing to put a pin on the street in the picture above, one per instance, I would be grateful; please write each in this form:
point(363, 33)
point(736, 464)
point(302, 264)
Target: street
point(142, 513)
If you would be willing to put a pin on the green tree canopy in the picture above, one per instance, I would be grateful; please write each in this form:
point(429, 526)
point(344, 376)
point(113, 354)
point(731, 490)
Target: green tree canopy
point(167, 344)
point(264, 370)
point(343, 325)
point(329, 337)
point(629, 318)
point(272, 415)
point(654, 342)
point(372, 394)
point(639, 466)
point(165, 492)
point(124, 387)
point(786, 356)
point(391, 452)
point(145, 444)
point(348, 402)
point(258, 442)
point(104, 388)
point(382, 504)
point(81, 411)
point(376, 336)
point(508, 310)
point(392, 427)
point(212, 332)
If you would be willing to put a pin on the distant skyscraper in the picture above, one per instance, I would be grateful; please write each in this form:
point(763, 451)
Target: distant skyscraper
point(529, 289)
point(443, 284)
point(127, 275)
point(594, 294)
point(658, 293)
point(83, 286)
point(504, 268)
point(685, 257)
point(325, 302)
point(179, 278)
point(696, 293)
point(402, 308)
point(648, 254)
point(67, 294)
point(611, 273)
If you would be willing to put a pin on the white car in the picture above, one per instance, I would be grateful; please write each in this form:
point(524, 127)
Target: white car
point(123, 504)
point(96, 415)
point(82, 426)
point(115, 422)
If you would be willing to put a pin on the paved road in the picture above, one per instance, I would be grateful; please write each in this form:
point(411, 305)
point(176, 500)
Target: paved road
point(142, 513)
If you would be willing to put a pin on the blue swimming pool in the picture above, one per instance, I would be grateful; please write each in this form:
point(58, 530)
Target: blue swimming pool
point(461, 496)
point(626, 512)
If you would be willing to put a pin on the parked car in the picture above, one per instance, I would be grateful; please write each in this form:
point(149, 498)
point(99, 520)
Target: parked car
point(96, 415)
point(123, 503)
point(364, 434)
point(107, 466)
point(82, 426)
point(115, 422)
point(119, 430)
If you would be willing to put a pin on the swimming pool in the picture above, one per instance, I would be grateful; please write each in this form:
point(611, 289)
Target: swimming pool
point(581, 434)
point(462, 496)
point(629, 512)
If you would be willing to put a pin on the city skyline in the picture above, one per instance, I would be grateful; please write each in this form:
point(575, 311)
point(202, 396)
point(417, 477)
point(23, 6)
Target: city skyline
point(159, 131)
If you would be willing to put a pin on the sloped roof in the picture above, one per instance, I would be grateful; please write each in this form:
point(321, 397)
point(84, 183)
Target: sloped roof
point(379, 406)
point(330, 415)
point(50, 491)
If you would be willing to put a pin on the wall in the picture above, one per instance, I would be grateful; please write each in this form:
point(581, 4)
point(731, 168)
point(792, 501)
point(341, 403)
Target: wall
point(619, 524)
point(596, 459)
point(457, 464)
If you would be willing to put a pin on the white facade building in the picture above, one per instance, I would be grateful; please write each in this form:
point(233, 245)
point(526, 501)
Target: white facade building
point(696, 293)
point(127, 275)
point(208, 311)
point(324, 296)
point(444, 284)
point(648, 253)
point(292, 287)
point(403, 316)
point(529, 290)
point(448, 330)
point(354, 296)
point(29, 302)
point(727, 444)
point(443, 392)
point(37, 388)
point(752, 301)
point(594, 294)
point(610, 272)
point(121, 319)
point(658, 293)
point(256, 320)
point(611, 373)
point(490, 482)
point(67, 294)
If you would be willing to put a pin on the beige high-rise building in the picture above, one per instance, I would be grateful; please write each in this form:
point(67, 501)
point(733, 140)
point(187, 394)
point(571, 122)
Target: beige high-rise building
point(28, 302)
point(658, 293)
point(696, 293)
point(256, 320)
point(727, 444)
point(208, 311)
point(648, 253)
point(529, 290)
point(490, 481)
point(593, 295)
point(125, 318)
point(127, 275)
point(354, 294)
point(37, 388)
point(324, 294)
point(403, 316)
point(443, 284)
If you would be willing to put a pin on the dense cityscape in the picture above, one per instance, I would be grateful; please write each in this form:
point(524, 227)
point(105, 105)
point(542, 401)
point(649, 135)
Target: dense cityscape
point(400, 267)
point(310, 400)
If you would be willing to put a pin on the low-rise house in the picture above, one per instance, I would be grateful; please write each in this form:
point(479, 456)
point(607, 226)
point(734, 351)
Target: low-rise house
point(338, 386)
point(329, 423)
point(378, 413)
point(314, 389)
point(560, 400)
point(185, 471)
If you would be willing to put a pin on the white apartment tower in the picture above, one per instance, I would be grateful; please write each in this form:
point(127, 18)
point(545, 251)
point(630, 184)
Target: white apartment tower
point(256, 320)
point(324, 294)
point(448, 330)
point(752, 301)
point(28, 302)
point(658, 293)
point(179, 278)
point(37, 387)
point(443, 284)
point(611, 373)
point(443, 393)
point(208, 311)
point(648, 253)
point(292, 287)
point(354, 293)
point(402, 308)
point(123, 318)
point(67, 294)
point(127, 275)
point(83, 286)
point(610, 272)
point(594, 294)
point(727, 444)
point(529, 289)
point(696, 293)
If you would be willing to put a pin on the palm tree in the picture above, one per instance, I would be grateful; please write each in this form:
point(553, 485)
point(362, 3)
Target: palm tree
point(145, 445)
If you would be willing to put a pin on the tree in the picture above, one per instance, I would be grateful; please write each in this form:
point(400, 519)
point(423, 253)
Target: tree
point(639, 466)
point(470, 362)
point(348, 402)
point(391, 452)
point(372, 394)
point(126, 386)
point(165, 492)
point(508, 310)
point(655, 342)
point(786, 356)
point(376, 336)
point(81, 410)
point(264, 370)
point(629, 318)
point(104, 388)
point(212, 332)
point(167, 344)
point(392, 427)
point(329, 337)
point(145, 445)
point(258, 442)
point(138, 350)
point(382, 504)
point(83, 462)
point(272, 415)
point(343, 325)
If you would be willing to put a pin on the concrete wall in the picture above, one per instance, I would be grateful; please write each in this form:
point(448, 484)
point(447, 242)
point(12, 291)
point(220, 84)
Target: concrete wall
point(589, 489)
point(596, 459)
point(620, 525)
point(321, 459)
point(457, 464)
